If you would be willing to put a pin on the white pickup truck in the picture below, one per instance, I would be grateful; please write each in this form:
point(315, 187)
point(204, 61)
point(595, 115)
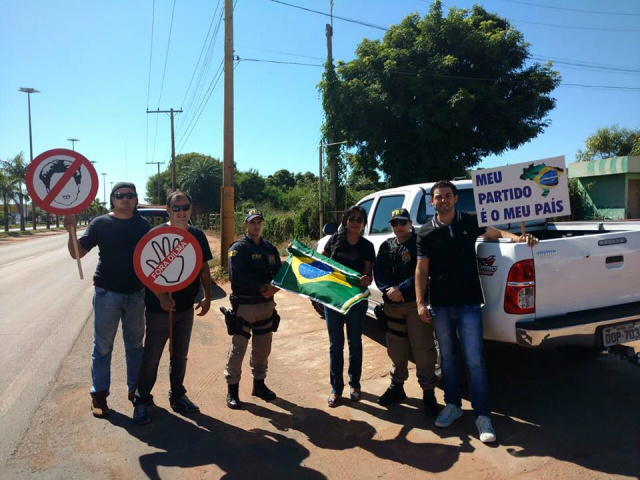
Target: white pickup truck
point(579, 286)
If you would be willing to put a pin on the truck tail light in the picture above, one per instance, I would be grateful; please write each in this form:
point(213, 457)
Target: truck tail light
point(520, 295)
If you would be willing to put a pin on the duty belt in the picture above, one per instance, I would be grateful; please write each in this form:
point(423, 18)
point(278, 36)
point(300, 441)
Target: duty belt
point(248, 300)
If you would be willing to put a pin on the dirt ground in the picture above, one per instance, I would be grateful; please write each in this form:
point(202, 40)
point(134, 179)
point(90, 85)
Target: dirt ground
point(558, 415)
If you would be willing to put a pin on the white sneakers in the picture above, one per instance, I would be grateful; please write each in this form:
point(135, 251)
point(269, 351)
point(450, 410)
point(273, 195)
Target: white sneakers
point(449, 415)
point(485, 429)
point(452, 412)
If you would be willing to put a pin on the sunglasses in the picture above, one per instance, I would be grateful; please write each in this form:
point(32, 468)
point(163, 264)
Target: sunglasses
point(395, 223)
point(356, 219)
point(128, 195)
point(184, 208)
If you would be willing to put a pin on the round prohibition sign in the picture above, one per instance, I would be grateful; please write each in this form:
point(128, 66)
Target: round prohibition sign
point(62, 181)
point(167, 259)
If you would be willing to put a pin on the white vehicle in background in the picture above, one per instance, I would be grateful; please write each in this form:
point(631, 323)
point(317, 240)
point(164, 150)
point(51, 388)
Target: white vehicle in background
point(580, 286)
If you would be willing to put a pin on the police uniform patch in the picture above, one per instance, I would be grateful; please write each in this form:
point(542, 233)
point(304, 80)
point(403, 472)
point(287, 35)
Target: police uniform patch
point(256, 256)
point(406, 257)
point(272, 259)
point(233, 253)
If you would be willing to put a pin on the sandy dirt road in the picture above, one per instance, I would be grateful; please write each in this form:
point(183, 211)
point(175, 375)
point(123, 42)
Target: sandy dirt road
point(557, 416)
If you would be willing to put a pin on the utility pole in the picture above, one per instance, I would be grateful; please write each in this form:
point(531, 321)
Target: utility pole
point(29, 91)
point(227, 189)
point(171, 113)
point(104, 188)
point(157, 163)
point(333, 167)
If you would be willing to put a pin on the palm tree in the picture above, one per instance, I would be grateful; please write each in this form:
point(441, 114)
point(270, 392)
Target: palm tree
point(6, 193)
point(201, 177)
point(16, 169)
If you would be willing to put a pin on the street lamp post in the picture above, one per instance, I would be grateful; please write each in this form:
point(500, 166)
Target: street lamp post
point(29, 91)
point(104, 188)
point(320, 167)
point(73, 143)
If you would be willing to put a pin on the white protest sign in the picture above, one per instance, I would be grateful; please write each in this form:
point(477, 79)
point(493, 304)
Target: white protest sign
point(521, 192)
point(167, 259)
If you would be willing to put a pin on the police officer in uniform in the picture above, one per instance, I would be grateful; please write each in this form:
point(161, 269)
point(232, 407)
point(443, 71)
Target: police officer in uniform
point(253, 262)
point(394, 271)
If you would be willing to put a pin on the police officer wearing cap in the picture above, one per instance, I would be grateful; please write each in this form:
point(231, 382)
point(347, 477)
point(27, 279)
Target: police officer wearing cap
point(119, 294)
point(406, 334)
point(253, 262)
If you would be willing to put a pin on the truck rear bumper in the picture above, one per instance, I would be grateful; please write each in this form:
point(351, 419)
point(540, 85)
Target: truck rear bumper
point(582, 329)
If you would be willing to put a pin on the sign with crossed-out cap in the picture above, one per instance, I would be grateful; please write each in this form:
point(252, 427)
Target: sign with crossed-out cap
point(62, 181)
point(167, 259)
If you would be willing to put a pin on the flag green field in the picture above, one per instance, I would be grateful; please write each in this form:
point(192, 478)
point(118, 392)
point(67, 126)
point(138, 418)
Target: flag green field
point(311, 274)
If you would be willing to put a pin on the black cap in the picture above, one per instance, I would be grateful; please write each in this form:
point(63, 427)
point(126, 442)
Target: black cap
point(251, 214)
point(124, 185)
point(400, 214)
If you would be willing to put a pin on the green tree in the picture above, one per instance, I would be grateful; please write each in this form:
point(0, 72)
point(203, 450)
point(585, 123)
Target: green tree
point(201, 177)
point(282, 179)
point(6, 193)
point(438, 94)
point(197, 174)
point(610, 142)
point(250, 187)
point(16, 169)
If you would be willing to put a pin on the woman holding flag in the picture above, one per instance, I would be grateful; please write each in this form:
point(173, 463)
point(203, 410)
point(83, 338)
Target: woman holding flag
point(351, 249)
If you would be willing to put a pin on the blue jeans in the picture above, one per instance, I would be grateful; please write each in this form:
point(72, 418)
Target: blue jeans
point(109, 307)
point(354, 319)
point(460, 328)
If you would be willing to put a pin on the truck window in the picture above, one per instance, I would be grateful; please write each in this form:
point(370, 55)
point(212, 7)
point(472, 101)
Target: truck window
point(386, 205)
point(466, 203)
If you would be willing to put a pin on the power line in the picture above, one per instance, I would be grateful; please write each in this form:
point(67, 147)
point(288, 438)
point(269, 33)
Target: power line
point(166, 57)
point(350, 20)
point(204, 44)
point(279, 52)
point(280, 62)
point(574, 9)
point(574, 27)
point(455, 77)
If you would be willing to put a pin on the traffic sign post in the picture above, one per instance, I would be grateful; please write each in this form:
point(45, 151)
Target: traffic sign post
point(167, 259)
point(63, 182)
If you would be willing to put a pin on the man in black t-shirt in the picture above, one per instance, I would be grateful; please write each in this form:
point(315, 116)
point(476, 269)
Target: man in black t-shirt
point(119, 294)
point(406, 334)
point(447, 259)
point(180, 303)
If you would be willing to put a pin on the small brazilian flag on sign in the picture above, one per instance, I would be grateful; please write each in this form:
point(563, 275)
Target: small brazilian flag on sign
point(308, 273)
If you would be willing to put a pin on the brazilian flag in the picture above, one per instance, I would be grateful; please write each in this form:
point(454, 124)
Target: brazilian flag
point(308, 273)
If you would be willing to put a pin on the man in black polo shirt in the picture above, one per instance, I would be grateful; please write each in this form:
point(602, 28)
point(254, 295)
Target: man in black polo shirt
point(447, 258)
point(159, 304)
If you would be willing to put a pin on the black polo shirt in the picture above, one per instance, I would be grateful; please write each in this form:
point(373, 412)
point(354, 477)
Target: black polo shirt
point(453, 270)
point(251, 265)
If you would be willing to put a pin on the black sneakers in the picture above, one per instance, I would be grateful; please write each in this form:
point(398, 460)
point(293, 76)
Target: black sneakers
point(140, 415)
point(394, 394)
point(183, 404)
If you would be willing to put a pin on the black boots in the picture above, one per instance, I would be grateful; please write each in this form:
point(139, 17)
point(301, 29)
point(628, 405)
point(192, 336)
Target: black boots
point(260, 390)
point(394, 393)
point(429, 403)
point(233, 402)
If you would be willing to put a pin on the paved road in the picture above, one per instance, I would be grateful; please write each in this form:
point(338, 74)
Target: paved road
point(44, 305)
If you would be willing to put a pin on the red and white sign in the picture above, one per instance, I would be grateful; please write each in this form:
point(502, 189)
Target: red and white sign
point(167, 259)
point(62, 181)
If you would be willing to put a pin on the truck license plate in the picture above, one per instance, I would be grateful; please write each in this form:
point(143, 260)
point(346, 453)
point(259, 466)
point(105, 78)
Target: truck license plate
point(617, 334)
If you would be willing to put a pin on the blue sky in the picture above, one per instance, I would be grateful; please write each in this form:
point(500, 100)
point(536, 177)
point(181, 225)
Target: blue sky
point(97, 73)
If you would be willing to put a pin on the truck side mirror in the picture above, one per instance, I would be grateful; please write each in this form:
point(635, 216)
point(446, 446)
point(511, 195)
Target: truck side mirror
point(329, 228)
